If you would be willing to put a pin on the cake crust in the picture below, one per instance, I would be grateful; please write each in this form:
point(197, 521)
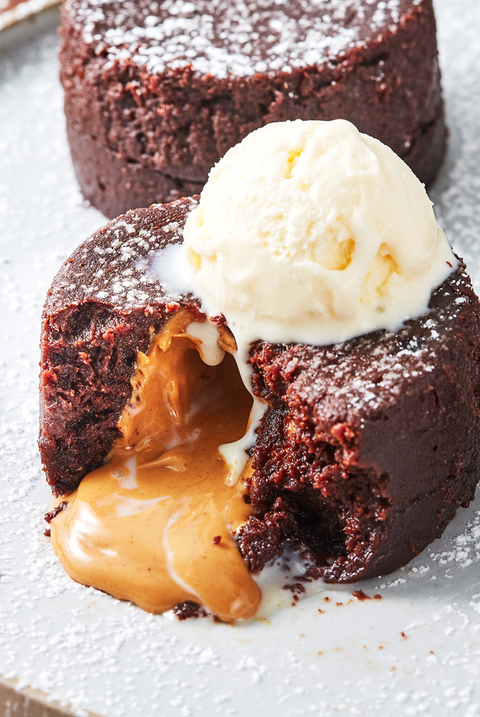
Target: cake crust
point(366, 449)
point(147, 102)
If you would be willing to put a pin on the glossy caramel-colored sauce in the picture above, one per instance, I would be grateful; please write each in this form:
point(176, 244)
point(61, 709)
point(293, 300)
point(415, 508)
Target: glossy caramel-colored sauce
point(154, 524)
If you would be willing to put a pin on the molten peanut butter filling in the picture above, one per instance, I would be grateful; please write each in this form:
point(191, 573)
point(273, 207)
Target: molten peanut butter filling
point(154, 524)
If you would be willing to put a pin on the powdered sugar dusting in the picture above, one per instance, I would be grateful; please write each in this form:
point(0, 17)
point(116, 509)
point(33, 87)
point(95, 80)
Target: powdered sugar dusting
point(118, 269)
point(359, 379)
point(232, 37)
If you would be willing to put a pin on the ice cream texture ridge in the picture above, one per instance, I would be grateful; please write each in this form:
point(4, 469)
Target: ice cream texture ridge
point(309, 231)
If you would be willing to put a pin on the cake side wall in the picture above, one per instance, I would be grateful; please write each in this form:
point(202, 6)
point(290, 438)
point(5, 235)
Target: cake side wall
point(113, 186)
point(439, 437)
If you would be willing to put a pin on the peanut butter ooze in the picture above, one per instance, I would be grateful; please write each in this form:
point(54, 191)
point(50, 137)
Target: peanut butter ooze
point(154, 524)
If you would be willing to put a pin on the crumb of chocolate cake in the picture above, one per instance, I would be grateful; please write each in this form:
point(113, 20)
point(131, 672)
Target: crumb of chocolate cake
point(53, 513)
point(295, 588)
point(188, 610)
point(360, 595)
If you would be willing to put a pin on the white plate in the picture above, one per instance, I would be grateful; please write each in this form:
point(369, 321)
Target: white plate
point(414, 652)
point(25, 9)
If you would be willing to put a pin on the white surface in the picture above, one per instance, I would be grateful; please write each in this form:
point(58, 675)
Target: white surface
point(93, 652)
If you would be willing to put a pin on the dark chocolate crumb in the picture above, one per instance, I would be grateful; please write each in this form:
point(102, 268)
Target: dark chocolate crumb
point(360, 595)
point(187, 609)
point(53, 513)
point(295, 588)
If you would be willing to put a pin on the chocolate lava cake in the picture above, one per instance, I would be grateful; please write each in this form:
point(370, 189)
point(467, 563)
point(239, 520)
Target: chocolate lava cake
point(366, 449)
point(156, 92)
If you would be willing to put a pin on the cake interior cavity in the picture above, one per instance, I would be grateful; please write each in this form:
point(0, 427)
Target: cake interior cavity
point(154, 524)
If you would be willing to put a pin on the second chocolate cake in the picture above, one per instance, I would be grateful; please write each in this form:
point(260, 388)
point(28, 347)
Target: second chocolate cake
point(366, 449)
point(155, 93)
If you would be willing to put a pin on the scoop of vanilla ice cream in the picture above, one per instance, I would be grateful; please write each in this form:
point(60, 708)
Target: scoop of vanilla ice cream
point(312, 232)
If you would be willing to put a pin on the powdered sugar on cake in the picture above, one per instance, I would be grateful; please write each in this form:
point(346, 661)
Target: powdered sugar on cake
point(123, 272)
point(232, 38)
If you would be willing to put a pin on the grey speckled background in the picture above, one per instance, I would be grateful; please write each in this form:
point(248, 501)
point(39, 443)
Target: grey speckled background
point(415, 652)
